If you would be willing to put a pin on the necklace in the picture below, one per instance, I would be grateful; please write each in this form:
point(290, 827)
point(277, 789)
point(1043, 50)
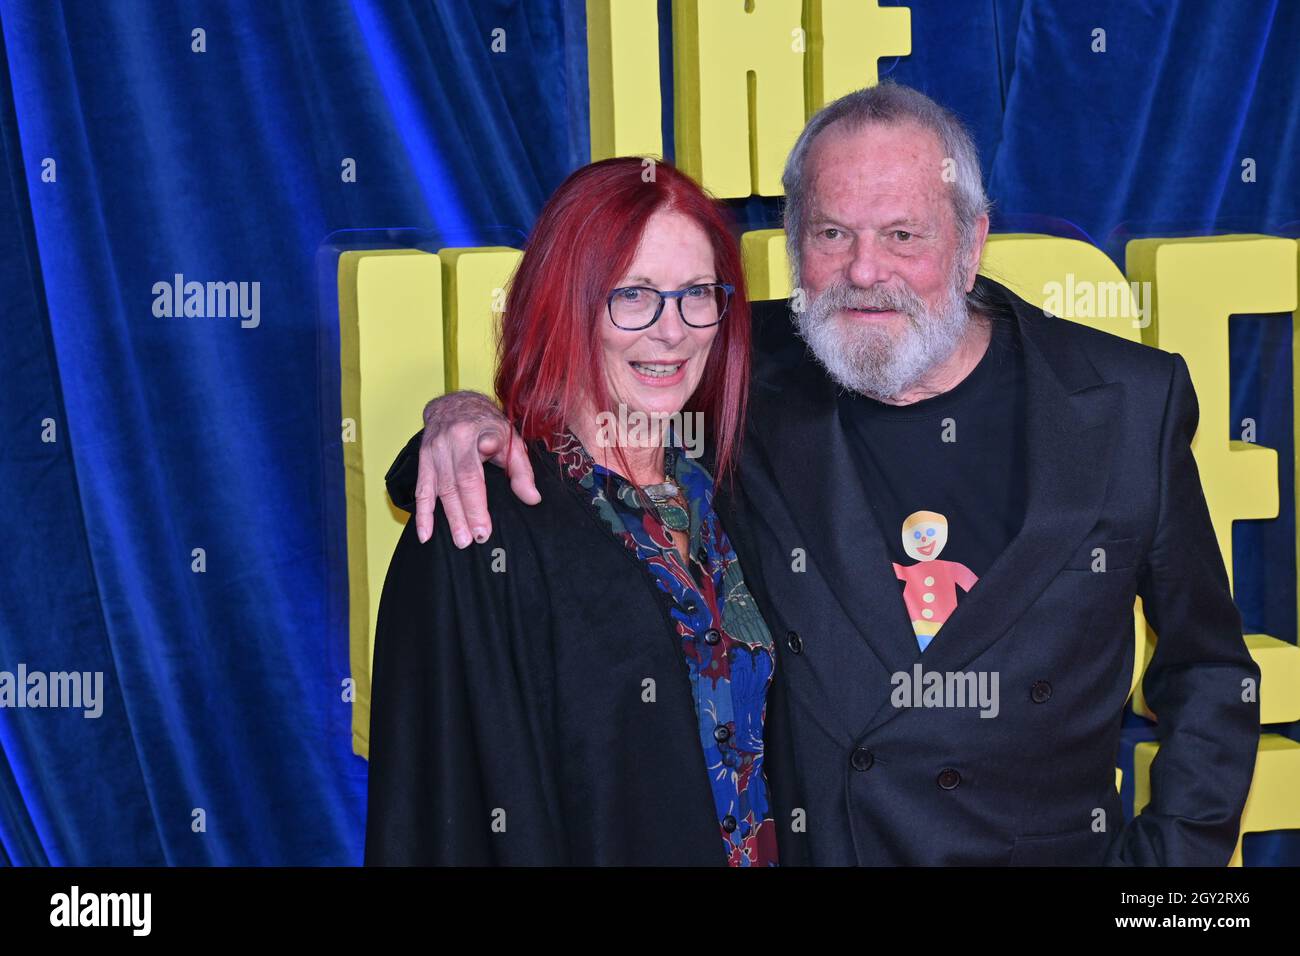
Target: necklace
point(670, 505)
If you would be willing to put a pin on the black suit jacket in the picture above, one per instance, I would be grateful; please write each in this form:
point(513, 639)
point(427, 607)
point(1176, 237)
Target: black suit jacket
point(861, 781)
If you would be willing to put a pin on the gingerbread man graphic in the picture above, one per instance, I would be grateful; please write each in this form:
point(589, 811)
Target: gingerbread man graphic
point(930, 585)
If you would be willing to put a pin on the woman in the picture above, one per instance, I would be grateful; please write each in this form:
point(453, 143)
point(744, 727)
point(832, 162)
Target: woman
point(587, 686)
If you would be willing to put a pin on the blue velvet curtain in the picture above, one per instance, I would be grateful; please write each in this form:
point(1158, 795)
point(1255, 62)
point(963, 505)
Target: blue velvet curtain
point(224, 738)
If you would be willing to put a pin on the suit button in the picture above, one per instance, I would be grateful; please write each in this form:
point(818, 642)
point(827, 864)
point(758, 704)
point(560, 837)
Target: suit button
point(729, 823)
point(862, 759)
point(721, 733)
point(794, 642)
point(1040, 692)
point(711, 636)
point(949, 779)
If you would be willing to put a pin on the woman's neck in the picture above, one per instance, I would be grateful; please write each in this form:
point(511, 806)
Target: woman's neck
point(645, 462)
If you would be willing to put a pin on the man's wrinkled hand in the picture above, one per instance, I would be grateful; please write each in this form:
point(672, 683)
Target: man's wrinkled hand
point(461, 431)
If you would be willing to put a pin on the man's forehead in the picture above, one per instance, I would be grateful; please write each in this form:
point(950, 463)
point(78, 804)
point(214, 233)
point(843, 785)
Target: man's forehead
point(884, 172)
point(876, 203)
point(873, 141)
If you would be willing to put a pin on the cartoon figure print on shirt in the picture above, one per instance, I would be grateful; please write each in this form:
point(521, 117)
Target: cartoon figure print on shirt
point(930, 585)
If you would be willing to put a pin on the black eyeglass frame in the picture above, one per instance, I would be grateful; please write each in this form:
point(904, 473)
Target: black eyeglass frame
point(664, 296)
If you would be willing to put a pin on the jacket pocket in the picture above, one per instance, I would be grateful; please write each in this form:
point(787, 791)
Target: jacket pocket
point(1082, 847)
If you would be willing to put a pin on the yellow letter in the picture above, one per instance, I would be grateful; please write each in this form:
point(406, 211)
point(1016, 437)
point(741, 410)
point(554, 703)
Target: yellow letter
point(623, 78)
point(391, 353)
point(848, 38)
point(1199, 283)
point(738, 84)
point(475, 282)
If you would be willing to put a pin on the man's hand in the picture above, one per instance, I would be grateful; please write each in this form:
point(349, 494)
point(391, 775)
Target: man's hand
point(461, 431)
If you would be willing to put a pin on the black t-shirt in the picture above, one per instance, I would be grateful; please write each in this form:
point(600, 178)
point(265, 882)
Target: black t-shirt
point(946, 478)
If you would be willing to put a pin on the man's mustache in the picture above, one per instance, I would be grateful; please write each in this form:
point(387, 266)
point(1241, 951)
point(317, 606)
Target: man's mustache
point(844, 295)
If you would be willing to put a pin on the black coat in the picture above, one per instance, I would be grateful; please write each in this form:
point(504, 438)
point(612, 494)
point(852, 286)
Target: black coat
point(518, 697)
point(1109, 429)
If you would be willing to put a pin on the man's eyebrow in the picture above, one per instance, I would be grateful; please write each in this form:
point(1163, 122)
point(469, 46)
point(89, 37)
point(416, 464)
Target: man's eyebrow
point(905, 221)
point(898, 221)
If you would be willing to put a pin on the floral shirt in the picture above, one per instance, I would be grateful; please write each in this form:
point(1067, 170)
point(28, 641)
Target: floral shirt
point(726, 647)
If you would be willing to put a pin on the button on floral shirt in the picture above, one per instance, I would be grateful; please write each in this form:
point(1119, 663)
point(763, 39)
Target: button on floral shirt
point(726, 647)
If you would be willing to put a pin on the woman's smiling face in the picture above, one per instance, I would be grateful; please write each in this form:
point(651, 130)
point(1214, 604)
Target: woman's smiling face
point(655, 370)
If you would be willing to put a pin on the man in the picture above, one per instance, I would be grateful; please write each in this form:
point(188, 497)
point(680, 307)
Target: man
point(964, 710)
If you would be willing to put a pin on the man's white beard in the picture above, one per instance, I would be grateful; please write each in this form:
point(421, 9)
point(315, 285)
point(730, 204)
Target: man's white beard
point(869, 357)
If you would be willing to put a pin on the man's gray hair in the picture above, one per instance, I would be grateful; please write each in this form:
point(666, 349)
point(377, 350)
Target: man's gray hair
point(888, 103)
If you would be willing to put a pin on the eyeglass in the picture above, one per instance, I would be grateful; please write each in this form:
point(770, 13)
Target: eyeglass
point(636, 307)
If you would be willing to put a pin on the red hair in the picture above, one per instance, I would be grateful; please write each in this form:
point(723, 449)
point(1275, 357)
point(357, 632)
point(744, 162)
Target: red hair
point(550, 356)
